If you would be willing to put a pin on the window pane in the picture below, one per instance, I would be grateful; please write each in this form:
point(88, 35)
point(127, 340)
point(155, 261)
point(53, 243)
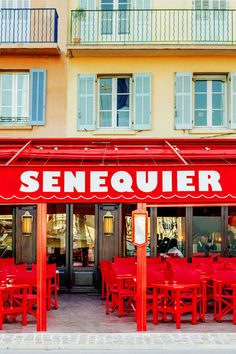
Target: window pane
point(122, 98)
point(105, 86)
point(201, 86)
point(56, 234)
point(217, 86)
point(206, 234)
point(105, 102)
point(6, 234)
point(83, 237)
point(200, 101)
point(105, 119)
point(217, 118)
point(217, 100)
point(200, 119)
point(123, 118)
point(7, 81)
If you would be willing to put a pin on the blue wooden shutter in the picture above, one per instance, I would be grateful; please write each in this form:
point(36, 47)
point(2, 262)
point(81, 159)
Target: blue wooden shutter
point(183, 101)
point(37, 96)
point(142, 101)
point(86, 102)
point(233, 100)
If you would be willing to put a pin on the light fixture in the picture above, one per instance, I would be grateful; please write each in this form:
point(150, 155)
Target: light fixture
point(108, 224)
point(27, 224)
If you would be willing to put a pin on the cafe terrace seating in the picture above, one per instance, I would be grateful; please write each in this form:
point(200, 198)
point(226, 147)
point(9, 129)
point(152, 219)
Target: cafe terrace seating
point(18, 290)
point(174, 287)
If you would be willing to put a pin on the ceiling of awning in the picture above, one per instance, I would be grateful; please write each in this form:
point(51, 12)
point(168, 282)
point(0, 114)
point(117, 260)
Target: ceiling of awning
point(116, 152)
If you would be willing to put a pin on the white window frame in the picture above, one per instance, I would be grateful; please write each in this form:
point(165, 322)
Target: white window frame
point(14, 115)
point(114, 102)
point(209, 79)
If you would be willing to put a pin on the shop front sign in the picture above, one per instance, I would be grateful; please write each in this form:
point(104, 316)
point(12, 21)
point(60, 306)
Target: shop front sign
point(185, 184)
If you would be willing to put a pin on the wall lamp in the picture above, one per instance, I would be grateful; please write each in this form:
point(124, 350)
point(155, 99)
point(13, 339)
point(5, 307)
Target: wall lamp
point(27, 224)
point(108, 224)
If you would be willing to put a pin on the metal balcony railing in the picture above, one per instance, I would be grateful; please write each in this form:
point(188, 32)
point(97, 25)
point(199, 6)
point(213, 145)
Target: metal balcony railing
point(28, 26)
point(157, 26)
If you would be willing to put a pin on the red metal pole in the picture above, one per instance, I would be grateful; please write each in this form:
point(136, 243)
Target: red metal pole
point(141, 312)
point(41, 266)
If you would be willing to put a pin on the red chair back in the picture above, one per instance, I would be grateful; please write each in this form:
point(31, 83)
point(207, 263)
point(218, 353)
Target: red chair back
point(124, 260)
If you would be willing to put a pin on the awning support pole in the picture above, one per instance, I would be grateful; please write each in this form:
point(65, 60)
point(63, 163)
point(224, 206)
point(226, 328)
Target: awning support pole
point(41, 266)
point(141, 307)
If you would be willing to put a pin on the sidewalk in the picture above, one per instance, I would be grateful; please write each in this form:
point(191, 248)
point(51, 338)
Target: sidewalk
point(81, 322)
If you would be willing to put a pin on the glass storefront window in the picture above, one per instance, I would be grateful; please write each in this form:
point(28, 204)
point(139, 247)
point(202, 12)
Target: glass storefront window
point(170, 227)
point(130, 249)
point(6, 232)
point(232, 231)
point(83, 236)
point(56, 234)
point(207, 236)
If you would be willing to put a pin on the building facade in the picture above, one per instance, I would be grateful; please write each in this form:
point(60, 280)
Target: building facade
point(96, 69)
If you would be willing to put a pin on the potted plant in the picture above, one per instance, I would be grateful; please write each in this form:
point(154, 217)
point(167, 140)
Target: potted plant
point(79, 16)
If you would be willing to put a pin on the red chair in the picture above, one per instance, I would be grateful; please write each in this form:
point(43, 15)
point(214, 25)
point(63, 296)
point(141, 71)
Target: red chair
point(29, 277)
point(225, 294)
point(124, 260)
point(53, 286)
point(186, 276)
point(103, 265)
point(10, 307)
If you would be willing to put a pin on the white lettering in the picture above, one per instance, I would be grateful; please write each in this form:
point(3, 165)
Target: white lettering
point(147, 181)
point(167, 181)
point(209, 178)
point(98, 181)
point(50, 181)
point(185, 181)
point(74, 182)
point(122, 182)
point(29, 181)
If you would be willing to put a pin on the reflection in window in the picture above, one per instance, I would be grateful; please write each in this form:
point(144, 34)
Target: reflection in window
point(206, 231)
point(56, 239)
point(6, 236)
point(83, 240)
point(169, 227)
point(232, 233)
point(130, 249)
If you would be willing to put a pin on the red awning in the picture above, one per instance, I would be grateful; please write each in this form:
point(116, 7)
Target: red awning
point(116, 152)
point(161, 171)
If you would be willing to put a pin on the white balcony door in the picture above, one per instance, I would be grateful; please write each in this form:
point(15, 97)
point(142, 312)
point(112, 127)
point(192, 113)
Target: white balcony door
point(115, 20)
point(15, 23)
point(142, 21)
point(211, 21)
point(85, 25)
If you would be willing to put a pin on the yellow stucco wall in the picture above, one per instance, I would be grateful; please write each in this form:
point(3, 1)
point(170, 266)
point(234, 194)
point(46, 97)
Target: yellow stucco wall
point(162, 69)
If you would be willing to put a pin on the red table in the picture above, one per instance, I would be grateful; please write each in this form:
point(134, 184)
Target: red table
point(170, 298)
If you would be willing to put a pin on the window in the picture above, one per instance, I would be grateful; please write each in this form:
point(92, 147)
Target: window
point(23, 97)
point(109, 21)
point(114, 102)
point(205, 101)
point(209, 102)
point(212, 21)
point(14, 97)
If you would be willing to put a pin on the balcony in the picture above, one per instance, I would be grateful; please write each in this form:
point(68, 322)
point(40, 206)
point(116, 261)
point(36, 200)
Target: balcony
point(151, 31)
point(28, 31)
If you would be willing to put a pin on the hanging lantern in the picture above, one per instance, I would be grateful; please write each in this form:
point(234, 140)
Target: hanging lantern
point(27, 224)
point(108, 224)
